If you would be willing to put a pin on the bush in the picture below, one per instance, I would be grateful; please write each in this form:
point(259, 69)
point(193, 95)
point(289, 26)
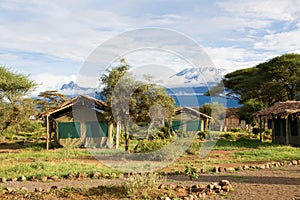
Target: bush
point(255, 131)
point(234, 130)
point(228, 136)
point(191, 172)
point(141, 186)
point(146, 146)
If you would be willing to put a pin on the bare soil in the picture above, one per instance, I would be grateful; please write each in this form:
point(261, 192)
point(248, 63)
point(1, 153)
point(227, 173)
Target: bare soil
point(275, 183)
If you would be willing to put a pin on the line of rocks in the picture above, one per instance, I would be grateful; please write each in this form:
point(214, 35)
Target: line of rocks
point(218, 169)
point(198, 191)
point(98, 175)
point(192, 192)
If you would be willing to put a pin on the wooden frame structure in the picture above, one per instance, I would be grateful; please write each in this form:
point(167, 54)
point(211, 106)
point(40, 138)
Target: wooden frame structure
point(284, 119)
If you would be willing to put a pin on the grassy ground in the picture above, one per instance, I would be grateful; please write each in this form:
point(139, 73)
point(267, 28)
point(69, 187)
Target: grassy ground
point(34, 160)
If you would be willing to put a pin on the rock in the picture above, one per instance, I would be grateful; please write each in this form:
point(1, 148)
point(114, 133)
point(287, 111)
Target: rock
point(53, 187)
point(215, 169)
point(238, 168)
point(202, 171)
point(3, 180)
point(22, 178)
point(226, 188)
point(224, 182)
point(113, 175)
point(294, 162)
point(38, 189)
point(161, 187)
point(210, 186)
point(245, 167)
point(172, 187)
point(267, 166)
point(14, 179)
point(230, 169)
point(95, 175)
point(221, 169)
point(189, 197)
point(24, 189)
point(167, 198)
point(121, 175)
point(261, 166)
point(202, 195)
point(9, 190)
point(54, 178)
point(70, 176)
point(44, 178)
point(32, 178)
point(80, 175)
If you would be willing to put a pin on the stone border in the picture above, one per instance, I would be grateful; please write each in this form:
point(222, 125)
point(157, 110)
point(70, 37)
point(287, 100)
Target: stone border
point(98, 175)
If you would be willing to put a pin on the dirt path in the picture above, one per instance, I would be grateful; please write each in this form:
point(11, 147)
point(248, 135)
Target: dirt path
point(275, 183)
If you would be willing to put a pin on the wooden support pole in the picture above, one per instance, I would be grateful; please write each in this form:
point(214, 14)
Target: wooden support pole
point(47, 132)
point(287, 131)
point(110, 137)
point(273, 131)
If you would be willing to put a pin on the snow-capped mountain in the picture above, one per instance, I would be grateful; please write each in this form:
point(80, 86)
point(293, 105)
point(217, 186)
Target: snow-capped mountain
point(72, 89)
point(200, 76)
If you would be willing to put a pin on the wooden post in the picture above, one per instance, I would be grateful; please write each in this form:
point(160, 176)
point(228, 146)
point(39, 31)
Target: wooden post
point(287, 131)
point(109, 137)
point(273, 131)
point(260, 129)
point(47, 132)
point(118, 133)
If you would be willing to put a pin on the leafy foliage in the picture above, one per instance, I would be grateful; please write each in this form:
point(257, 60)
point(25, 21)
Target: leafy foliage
point(49, 99)
point(277, 79)
point(130, 100)
point(15, 110)
point(191, 172)
point(146, 146)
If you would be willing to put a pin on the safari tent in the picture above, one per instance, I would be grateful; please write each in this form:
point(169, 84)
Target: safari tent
point(284, 119)
point(188, 119)
point(78, 121)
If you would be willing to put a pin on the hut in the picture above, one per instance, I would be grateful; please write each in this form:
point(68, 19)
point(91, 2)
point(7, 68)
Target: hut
point(232, 119)
point(78, 121)
point(284, 119)
point(188, 119)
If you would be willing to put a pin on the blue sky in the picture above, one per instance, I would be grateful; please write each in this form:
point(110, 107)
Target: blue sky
point(50, 40)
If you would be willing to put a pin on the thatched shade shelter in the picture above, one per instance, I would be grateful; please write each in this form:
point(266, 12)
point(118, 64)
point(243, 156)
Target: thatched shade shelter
point(188, 119)
point(284, 118)
point(78, 121)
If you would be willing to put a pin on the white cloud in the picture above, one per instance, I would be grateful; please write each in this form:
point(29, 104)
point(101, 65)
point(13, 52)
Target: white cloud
point(269, 9)
point(50, 82)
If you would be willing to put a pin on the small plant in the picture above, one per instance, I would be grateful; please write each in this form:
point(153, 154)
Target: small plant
point(139, 186)
point(146, 146)
point(191, 172)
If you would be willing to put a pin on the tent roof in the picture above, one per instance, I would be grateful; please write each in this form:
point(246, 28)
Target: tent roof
point(79, 100)
point(280, 110)
point(192, 111)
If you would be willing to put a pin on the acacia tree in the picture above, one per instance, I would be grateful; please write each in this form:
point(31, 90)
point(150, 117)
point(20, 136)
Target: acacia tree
point(131, 100)
point(49, 99)
point(13, 87)
point(277, 79)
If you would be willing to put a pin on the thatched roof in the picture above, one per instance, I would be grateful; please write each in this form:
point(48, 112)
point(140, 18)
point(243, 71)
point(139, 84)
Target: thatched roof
point(280, 110)
point(197, 113)
point(79, 100)
point(232, 112)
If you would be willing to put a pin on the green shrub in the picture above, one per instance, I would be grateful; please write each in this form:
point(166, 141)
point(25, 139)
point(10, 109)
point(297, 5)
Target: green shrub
point(228, 136)
point(146, 146)
point(140, 186)
point(255, 131)
point(194, 148)
point(234, 130)
point(191, 172)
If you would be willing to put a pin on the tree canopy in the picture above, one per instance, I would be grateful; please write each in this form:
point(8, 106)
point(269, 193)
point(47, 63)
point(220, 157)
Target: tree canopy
point(13, 88)
point(277, 79)
point(132, 100)
point(49, 99)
